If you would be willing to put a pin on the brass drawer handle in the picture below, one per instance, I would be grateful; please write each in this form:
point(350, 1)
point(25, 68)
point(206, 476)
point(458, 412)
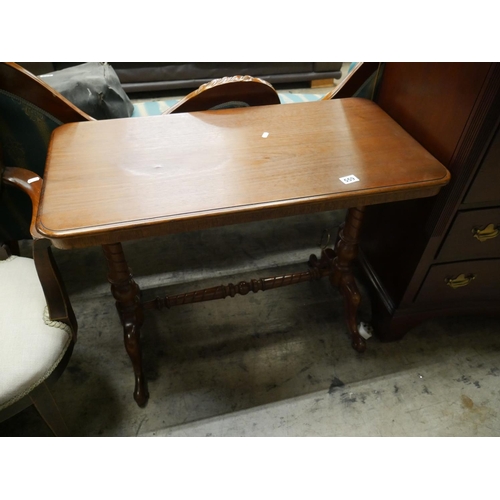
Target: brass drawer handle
point(488, 233)
point(460, 280)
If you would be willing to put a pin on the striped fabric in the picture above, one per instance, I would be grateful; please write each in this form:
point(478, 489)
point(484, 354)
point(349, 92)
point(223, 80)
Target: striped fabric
point(152, 108)
point(290, 97)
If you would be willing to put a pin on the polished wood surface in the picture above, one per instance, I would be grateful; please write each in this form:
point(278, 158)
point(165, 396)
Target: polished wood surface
point(114, 180)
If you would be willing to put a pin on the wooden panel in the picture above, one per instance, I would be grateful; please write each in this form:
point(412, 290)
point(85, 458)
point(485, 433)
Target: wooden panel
point(432, 101)
point(474, 234)
point(486, 185)
point(482, 278)
point(168, 171)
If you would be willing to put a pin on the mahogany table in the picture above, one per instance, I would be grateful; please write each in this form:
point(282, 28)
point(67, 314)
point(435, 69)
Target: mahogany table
point(115, 180)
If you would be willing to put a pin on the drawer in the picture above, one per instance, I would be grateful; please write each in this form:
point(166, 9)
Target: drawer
point(486, 185)
point(474, 234)
point(469, 280)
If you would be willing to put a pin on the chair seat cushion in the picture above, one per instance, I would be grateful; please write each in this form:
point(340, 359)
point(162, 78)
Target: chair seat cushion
point(31, 346)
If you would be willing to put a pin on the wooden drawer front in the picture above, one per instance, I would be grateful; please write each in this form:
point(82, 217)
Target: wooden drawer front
point(486, 185)
point(480, 280)
point(473, 235)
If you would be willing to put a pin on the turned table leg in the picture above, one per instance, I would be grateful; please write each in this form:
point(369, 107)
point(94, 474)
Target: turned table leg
point(128, 303)
point(346, 250)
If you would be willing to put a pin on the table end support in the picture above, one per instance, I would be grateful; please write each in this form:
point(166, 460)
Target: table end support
point(342, 277)
point(128, 304)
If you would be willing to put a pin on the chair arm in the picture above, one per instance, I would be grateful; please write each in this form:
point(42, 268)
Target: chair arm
point(353, 81)
point(53, 288)
point(31, 184)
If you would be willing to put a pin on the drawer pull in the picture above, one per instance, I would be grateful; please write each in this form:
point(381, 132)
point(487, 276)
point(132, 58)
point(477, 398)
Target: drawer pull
point(460, 280)
point(488, 233)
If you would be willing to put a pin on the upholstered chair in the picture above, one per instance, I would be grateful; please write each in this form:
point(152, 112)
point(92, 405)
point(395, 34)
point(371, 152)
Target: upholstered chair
point(37, 324)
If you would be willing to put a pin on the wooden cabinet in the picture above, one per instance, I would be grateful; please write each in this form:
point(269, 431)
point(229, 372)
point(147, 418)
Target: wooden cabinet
point(439, 255)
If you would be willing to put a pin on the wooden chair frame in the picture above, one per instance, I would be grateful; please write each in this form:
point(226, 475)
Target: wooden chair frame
point(21, 83)
point(248, 90)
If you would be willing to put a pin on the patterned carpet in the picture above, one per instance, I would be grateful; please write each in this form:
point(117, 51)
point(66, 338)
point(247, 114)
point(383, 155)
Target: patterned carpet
point(151, 108)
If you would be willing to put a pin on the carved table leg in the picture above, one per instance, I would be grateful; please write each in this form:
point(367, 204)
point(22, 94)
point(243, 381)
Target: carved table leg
point(346, 250)
point(128, 303)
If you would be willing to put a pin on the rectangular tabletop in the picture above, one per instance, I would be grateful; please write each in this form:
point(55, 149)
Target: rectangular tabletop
point(115, 180)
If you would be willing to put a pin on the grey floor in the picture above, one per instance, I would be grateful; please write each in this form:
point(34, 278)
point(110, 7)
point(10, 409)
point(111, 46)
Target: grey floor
point(275, 363)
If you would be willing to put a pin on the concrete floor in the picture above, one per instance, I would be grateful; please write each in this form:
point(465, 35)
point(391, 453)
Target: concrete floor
point(276, 363)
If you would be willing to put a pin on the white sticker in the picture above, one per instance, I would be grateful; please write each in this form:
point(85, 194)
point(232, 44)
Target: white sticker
point(265, 135)
point(33, 179)
point(348, 179)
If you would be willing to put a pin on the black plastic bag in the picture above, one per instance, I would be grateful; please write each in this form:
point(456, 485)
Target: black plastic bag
point(94, 88)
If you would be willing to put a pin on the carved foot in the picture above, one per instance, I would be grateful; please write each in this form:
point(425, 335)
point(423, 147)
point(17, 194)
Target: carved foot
point(359, 344)
point(133, 347)
point(352, 299)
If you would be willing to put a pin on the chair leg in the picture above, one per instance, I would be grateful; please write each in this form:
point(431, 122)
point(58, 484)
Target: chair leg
point(47, 408)
point(14, 247)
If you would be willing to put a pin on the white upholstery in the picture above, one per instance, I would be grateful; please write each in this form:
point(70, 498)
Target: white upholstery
point(30, 345)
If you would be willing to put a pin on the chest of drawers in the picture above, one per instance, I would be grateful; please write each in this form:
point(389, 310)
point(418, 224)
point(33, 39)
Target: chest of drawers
point(467, 266)
point(439, 256)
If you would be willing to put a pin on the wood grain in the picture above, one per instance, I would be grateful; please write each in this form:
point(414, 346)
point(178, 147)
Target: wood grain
point(114, 180)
